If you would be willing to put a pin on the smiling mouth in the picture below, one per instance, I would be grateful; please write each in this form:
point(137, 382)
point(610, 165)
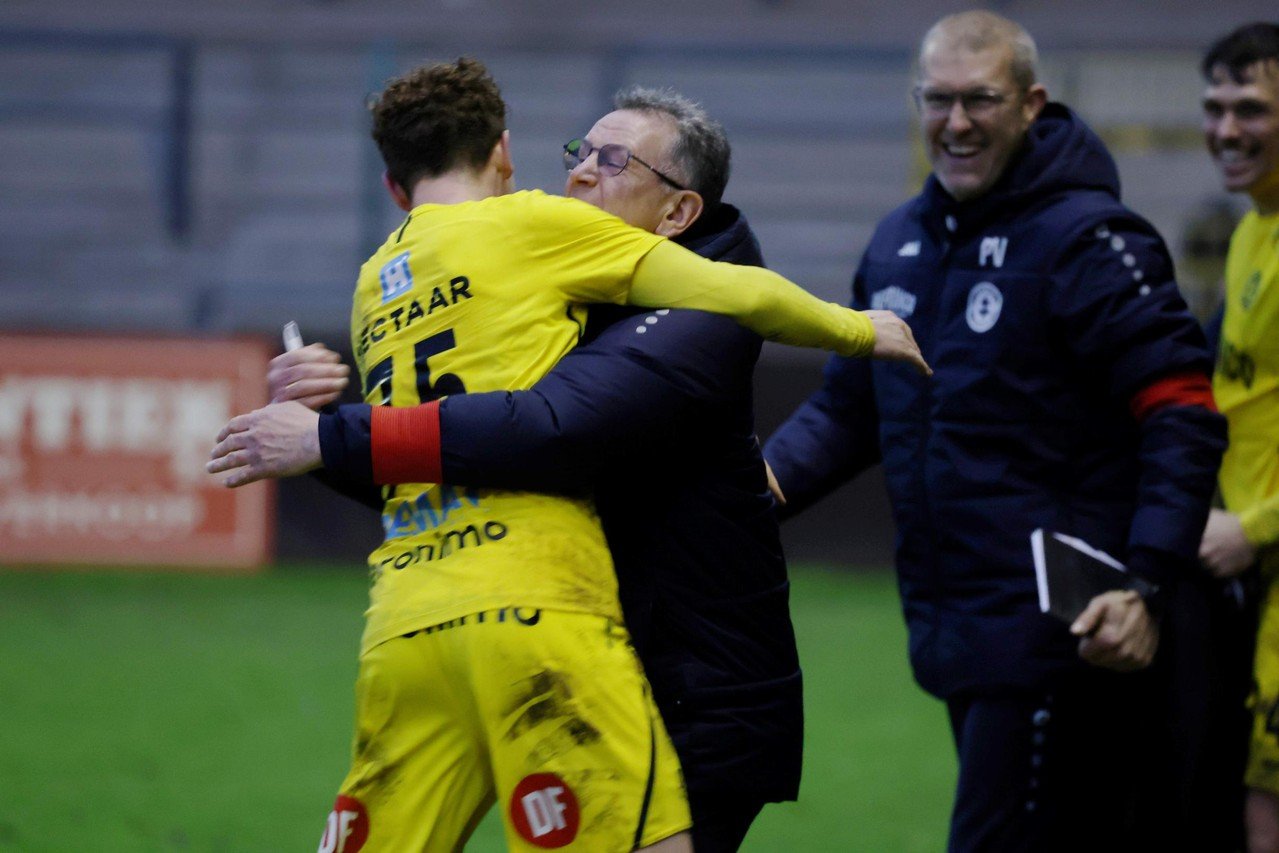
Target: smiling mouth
point(1234, 158)
point(961, 152)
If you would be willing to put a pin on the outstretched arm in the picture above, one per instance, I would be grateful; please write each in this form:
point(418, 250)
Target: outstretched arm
point(769, 305)
point(595, 407)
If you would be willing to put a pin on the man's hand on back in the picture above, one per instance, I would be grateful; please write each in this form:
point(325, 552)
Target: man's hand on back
point(280, 440)
point(313, 375)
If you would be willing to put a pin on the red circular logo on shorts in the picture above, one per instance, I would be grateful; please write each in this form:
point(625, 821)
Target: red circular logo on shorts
point(544, 810)
point(347, 828)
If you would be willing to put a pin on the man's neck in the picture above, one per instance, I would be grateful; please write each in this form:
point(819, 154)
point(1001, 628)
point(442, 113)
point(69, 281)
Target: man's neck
point(455, 187)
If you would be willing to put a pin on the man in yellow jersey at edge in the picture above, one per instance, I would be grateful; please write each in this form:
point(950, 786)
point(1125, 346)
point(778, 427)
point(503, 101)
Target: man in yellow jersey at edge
point(1241, 124)
point(494, 665)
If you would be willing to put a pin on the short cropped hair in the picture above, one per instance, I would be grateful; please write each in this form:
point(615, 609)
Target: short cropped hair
point(979, 30)
point(437, 118)
point(701, 153)
point(1241, 49)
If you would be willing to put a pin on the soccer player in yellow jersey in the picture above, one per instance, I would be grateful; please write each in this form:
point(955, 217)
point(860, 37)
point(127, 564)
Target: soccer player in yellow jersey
point(494, 664)
point(1241, 124)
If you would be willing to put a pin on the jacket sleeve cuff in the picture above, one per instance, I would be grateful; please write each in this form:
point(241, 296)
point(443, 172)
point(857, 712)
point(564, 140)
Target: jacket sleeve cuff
point(406, 444)
point(1158, 570)
point(330, 440)
point(344, 442)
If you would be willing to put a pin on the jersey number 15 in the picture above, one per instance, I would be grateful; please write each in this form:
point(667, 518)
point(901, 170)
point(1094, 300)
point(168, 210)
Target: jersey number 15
point(379, 375)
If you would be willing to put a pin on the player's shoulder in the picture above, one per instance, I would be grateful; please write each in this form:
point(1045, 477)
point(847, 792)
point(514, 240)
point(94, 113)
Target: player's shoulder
point(539, 203)
point(547, 221)
point(519, 200)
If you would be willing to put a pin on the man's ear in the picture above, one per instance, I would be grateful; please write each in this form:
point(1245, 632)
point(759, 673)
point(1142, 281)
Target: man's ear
point(501, 157)
point(398, 194)
point(1036, 97)
point(681, 214)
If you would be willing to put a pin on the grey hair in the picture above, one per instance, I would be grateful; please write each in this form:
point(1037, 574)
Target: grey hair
point(979, 30)
point(701, 152)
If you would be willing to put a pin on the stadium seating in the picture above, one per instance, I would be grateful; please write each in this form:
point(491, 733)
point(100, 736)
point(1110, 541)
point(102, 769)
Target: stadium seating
point(110, 217)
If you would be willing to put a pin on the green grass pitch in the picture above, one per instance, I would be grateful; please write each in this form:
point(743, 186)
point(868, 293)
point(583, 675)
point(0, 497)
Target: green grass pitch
point(153, 712)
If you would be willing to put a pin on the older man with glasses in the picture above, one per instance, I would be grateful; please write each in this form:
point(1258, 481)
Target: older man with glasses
point(1071, 394)
point(654, 414)
point(613, 159)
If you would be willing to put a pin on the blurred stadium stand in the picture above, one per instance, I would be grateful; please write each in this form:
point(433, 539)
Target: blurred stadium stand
point(204, 168)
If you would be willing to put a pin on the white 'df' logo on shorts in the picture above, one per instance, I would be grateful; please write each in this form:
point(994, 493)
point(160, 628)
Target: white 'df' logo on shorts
point(984, 304)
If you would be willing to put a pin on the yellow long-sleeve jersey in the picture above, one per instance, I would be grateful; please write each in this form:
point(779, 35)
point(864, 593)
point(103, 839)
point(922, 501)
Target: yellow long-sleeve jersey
point(1246, 380)
point(487, 295)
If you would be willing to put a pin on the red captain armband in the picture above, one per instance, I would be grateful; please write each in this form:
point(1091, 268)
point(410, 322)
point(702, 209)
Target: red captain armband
point(1179, 389)
point(405, 444)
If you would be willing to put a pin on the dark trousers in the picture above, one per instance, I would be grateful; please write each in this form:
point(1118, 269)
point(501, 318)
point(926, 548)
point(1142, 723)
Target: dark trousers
point(1144, 761)
point(1054, 770)
point(1205, 672)
point(720, 822)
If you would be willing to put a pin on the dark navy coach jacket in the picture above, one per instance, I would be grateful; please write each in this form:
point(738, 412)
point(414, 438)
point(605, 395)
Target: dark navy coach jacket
point(655, 414)
point(1043, 307)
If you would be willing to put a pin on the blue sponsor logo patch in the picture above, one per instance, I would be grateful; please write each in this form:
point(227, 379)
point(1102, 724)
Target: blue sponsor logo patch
point(397, 278)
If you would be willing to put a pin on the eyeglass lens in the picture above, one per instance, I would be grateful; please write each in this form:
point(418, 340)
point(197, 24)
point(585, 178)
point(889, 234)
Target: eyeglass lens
point(974, 103)
point(612, 157)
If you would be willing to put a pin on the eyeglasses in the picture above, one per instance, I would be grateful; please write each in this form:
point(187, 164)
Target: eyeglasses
point(612, 159)
point(977, 103)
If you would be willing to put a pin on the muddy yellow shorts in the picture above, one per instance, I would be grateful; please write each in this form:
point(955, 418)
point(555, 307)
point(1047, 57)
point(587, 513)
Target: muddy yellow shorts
point(545, 712)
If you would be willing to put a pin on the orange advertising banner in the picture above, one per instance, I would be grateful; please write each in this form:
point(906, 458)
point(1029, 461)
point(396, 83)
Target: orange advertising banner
point(102, 449)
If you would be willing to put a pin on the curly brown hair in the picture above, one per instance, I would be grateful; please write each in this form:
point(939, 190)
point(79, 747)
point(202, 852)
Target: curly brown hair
point(436, 118)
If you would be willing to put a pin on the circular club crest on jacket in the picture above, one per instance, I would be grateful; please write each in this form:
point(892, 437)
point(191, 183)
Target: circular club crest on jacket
point(984, 304)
